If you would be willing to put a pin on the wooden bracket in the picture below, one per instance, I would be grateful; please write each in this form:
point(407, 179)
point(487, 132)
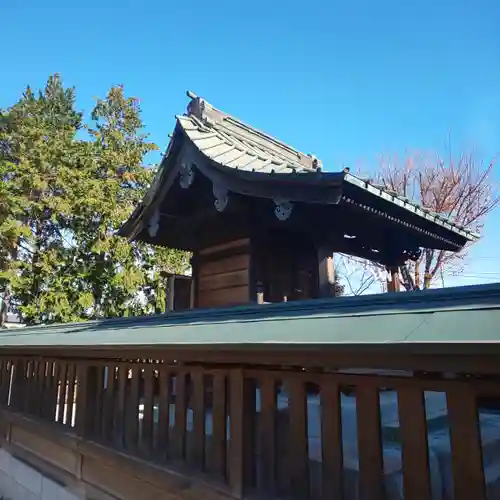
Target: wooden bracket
point(186, 175)
point(221, 194)
point(154, 223)
point(283, 209)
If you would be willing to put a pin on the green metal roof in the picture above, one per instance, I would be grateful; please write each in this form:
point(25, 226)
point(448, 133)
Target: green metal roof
point(461, 315)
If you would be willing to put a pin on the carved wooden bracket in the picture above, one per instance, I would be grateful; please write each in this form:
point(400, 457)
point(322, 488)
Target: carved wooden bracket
point(221, 197)
point(186, 175)
point(283, 209)
point(154, 224)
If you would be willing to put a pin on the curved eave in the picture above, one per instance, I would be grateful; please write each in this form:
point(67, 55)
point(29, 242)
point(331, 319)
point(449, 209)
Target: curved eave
point(166, 171)
point(248, 168)
point(412, 208)
point(252, 165)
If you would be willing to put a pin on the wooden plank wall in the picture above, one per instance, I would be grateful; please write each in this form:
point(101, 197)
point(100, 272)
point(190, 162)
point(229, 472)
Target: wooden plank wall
point(224, 275)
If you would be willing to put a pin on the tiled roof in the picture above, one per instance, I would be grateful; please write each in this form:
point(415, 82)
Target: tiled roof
point(410, 206)
point(458, 318)
point(233, 144)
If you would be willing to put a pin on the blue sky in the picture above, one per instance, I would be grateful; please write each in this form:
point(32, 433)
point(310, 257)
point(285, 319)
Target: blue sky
point(345, 80)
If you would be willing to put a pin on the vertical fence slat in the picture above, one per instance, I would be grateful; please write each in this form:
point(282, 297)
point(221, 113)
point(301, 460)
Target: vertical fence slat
point(163, 413)
point(28, 383)
point(71, 394)
point(236, 459)
point(4, 391)
point(19, 385)
point(298, 455)
point(133, 409)
point(267, 434)
point(38, 377)
point(219, 414)
point(198, 408)
point(33, 383)
point(86, 399)
point(467, 460)
point(61, 397)
point(54, 390)
point(9, 368)
point(240, 459)
point(147, 420)
point(179, 433)
point(415, 452)
point(4, 384)
point(34, 396)
point(119, 417)
point(108, 403)
point(331, 440)
point(42, 381)
point(81, 398)
point(99, 401)
point(369, 443)
point(46, 403)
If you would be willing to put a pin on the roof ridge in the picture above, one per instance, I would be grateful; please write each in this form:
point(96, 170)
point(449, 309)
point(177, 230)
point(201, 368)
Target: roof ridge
point(206, 113)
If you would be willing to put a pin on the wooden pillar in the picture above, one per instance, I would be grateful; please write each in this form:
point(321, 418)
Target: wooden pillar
point(170, 293)
point(326, 273)
point(260, 293)
point(393, 284)
point(192, 292)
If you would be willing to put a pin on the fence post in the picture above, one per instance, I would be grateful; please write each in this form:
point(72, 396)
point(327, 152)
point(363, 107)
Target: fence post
point(241, 432)
point(87, 390)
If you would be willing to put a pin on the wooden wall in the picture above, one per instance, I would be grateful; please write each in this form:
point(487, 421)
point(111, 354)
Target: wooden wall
point(286, 267)
point(223, 274)
point(182, 293)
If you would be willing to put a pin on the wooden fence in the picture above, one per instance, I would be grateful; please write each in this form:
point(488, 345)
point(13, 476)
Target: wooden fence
point(254, 425)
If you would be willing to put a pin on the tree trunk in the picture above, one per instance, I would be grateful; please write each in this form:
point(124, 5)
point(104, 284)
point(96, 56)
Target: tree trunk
point(4, 307)
point(35, 272)
point(417, 273)
point(427, 280)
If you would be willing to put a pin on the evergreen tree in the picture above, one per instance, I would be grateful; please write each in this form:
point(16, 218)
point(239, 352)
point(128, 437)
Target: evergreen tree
point(62, 198)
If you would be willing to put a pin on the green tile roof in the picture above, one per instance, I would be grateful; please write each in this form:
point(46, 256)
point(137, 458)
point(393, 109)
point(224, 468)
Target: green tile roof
point(461, 315)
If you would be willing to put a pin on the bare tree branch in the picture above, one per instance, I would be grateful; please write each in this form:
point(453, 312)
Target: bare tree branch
point(358, 274)
point(460, 189)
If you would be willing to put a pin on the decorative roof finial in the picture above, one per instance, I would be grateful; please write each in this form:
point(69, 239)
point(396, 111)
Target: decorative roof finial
point(201, 109)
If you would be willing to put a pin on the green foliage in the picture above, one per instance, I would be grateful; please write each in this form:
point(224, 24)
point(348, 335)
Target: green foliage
point(66, 186)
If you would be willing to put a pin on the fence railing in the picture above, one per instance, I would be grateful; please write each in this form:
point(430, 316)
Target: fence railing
point(275, 431)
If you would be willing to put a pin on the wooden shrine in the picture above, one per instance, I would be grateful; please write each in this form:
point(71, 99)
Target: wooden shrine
point(263, 220)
